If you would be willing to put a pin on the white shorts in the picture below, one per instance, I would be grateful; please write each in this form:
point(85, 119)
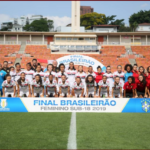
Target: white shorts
point(9, 93)
point(116, 95)
point(63, 94)
point(24, 92)
point(91, 93)
point(53, 93)
point(40, 94)
point(104, 94)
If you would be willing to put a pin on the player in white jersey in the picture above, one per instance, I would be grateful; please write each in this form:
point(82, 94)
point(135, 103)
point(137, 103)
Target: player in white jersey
point(51, 87)
point(104, 87)
point(82, 75)
point(120, 74)
point(23, 86)
point(38, 71)
point(110, 78)
point(90, 72)
point(9, 87)
point(117, 88)
point(50, 71)
point(37, 87)
point(29, 73)
point(61, 72)
point(64, 87)
point(90, 86)
point(18, 72)
point(71, 72)
point(12, 74)
point(78, 88)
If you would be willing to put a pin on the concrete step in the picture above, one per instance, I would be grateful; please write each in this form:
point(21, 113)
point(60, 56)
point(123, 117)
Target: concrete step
point(18, 60)
point(22, 49)
point(132, 61)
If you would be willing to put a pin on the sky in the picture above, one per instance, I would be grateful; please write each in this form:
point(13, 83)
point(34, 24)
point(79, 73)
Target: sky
point(60, 11)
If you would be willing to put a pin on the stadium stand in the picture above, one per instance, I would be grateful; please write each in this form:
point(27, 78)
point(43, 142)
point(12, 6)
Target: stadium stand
point(144, 55)
point(8, 53)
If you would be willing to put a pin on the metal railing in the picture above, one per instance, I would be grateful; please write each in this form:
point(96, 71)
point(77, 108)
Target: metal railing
point(36, 43)
point(10, 43)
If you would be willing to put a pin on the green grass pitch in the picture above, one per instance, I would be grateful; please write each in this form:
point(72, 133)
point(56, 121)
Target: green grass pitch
point(94, 130)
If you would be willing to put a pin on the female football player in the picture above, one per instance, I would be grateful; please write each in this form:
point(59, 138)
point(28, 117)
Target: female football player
point(9, 87)
point(23, 86)
point(78, 88)
point(104, 87)
point(117, 88)
point(51, 87)
point(90, 86)
point(29, 72)
point(129, 88)
point(37, 87)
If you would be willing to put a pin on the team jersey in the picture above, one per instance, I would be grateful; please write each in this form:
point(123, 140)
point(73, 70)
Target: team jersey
point(103, 86)
point(59, 74)
point(129, 87)
point(99, 76)
point(82, 75)
point(29, 75)
point(120, 75)
point(2, 77)
point(91, 86)
point(24, 85)
point(64, 86)
point(12, 74)
point(117, 87)
point(50, 86)
point(78, 88)
point(37, 87)
point(9, 87)
point(136, 76)
point(148, 85)
point(40, 73)
point(71, 75)
point(17, 75)
point(46, 75)
point(148, 77)
point(140, 86)
point(126, 75)
point(93, 74)
point(109, 78)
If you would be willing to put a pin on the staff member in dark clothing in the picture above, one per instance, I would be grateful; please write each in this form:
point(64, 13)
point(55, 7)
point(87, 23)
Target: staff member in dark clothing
point(99, 77)
point(34, 64)
point(5, 67)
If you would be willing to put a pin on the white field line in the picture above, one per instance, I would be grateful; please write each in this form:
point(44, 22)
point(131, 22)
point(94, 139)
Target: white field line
point(72, 144)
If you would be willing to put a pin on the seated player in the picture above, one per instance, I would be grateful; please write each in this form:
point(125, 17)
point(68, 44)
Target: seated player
point(23, 86)
point(51, 87)
point(37, 87)
point(9, 87)
point(78, 88)
point(90, 86)
point(117, 88)
point(141, 89)
point(129, 88)
point(104, 87)
point(64, 87)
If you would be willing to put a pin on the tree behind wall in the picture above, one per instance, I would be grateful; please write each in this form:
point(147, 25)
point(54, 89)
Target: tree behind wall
point(139, 17)
point(39, 25)
point(90, 19)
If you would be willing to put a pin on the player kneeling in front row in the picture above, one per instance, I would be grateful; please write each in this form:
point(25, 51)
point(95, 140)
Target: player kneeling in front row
point(117, 88)
point(104, 87)
point(9, 87)
point(90, 86)
point(64, 87)
point(37, 87)
point(78, 88)
point(129, 88)
point(51, 89)
point(23, 86)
